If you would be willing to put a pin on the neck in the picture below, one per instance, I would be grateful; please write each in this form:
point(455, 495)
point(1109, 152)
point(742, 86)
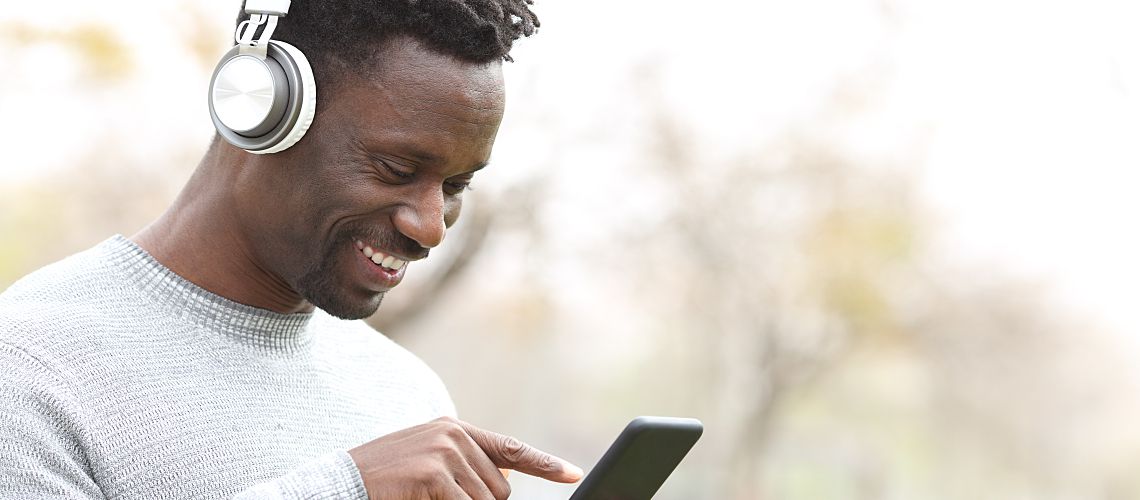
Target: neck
point(200, 237)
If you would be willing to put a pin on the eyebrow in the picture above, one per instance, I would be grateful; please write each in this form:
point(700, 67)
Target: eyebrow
point(420, 155)
point(426, 157)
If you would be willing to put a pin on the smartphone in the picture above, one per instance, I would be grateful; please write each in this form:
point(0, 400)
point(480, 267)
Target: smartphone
point(640, 459)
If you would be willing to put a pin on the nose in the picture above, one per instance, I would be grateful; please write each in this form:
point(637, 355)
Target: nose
point(422, 218)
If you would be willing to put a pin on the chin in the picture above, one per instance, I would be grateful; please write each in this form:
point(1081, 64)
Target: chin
point(344, 308)
point(323, 291)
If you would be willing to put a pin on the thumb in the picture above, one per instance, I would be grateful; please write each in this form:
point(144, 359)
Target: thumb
point(510, 453)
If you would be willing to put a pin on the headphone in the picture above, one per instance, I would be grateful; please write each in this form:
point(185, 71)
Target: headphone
point(262, 95)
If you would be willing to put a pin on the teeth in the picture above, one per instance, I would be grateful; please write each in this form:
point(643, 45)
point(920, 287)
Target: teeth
point(359, 245)
point(380, 259)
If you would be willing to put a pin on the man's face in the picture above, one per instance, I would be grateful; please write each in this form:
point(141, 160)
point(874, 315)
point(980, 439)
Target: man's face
point(381, 172)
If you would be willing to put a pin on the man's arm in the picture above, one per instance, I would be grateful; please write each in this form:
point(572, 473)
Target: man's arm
point(41, 450)
point(331, 476)
point(43, 455)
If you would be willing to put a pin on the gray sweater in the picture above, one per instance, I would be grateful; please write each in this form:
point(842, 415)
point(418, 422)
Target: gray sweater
point(120, 379)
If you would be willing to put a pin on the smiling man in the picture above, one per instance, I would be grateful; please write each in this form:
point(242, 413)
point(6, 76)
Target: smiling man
point(219, 353)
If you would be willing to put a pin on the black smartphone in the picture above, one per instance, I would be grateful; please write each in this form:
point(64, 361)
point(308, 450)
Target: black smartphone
point(640, 459)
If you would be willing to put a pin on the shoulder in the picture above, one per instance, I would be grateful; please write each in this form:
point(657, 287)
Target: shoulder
point(57, 307)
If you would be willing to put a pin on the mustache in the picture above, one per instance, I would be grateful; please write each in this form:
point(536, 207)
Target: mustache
point(389, 240)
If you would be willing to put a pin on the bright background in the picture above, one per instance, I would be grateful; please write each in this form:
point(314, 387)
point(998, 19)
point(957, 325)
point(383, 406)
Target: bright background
point(881, 248)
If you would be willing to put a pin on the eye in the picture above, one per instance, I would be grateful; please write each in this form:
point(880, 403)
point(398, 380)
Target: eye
point(403, 174)
point(390, 172)
point(457, 187)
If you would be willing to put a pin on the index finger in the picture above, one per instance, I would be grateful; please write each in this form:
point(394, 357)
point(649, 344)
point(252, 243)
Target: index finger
point(510, 453)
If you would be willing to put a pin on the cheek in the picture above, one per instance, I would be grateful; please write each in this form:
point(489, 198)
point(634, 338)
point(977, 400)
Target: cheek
point(331, 193)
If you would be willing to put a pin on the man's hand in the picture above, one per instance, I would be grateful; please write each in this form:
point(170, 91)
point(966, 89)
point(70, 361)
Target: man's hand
point(447, 459)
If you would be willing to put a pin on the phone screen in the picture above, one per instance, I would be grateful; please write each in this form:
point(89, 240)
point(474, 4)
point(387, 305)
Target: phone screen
point(640, 459)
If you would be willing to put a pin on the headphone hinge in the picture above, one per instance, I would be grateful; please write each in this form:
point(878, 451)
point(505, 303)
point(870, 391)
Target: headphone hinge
point(244, 36)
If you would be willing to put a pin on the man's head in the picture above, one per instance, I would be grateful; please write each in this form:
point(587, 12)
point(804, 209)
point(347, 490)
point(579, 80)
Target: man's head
point(409, 101)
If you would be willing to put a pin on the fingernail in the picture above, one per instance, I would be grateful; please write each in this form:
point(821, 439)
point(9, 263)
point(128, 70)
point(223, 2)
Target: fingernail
point(572, 470)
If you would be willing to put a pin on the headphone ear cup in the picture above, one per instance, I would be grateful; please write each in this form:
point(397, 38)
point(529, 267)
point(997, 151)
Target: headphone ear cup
point(263, 106)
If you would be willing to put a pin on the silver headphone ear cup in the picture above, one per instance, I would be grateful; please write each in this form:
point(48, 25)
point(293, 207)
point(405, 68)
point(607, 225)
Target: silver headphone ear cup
point(249, 95)
point(299, 93)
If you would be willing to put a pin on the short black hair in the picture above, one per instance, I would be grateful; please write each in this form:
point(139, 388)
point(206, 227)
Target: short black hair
point(350, 31)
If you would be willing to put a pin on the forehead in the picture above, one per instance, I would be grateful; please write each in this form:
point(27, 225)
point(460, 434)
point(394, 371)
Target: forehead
point(405, 66)
point(414, 94)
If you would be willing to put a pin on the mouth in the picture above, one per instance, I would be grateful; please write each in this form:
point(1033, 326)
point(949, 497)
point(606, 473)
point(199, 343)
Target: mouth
point(381, 259)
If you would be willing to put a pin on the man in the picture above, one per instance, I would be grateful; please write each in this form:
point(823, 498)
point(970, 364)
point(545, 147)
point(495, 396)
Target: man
point(219, 353)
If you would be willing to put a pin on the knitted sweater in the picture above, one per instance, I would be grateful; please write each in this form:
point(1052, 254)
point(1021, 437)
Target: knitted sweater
point(119, 379)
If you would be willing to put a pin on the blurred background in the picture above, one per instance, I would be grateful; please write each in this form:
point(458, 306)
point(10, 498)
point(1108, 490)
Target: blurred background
point(882, 248)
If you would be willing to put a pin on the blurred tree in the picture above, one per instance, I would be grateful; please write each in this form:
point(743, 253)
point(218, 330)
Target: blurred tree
point(771, 275)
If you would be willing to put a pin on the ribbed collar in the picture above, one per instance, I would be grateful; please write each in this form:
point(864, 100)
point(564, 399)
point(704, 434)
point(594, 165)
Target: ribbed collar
point(181, 298)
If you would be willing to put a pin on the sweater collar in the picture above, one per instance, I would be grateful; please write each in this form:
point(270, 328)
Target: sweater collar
point(248, 324)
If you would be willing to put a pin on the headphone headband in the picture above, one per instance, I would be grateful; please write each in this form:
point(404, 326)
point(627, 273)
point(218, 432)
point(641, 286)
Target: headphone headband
point(270, 7)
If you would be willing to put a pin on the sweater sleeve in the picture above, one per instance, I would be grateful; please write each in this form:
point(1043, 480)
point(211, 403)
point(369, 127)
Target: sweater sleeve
point(334, 475)
point(41, 450)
